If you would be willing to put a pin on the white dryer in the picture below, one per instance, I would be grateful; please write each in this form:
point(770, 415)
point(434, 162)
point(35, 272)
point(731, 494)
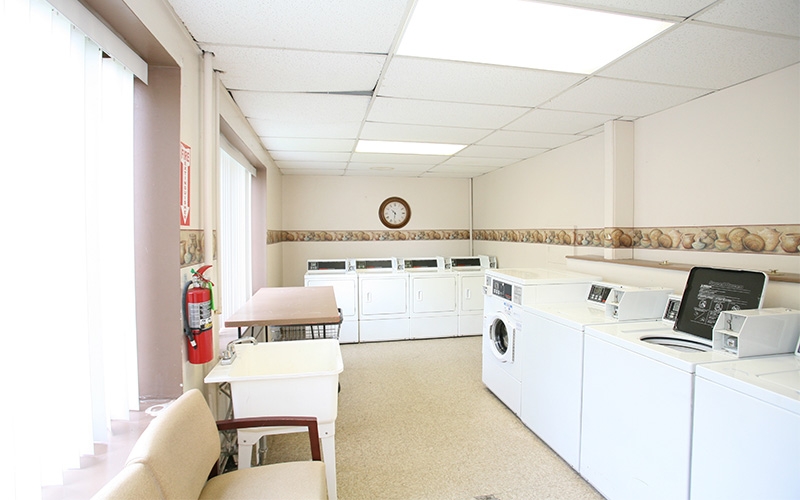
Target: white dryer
point(341, 275)
point(746, 424)
point(383, 312)
point(433, 307)
point(551, 352)
point(638, 388)
point(506, 291)
point(470, 277)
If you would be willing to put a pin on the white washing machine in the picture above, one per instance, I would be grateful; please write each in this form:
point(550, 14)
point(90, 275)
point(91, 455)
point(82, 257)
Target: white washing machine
point(383, 311)
point(638, 388)
point(433, 303)
point(506, 292)
point(551, 353)
point(470, 277)
point(341, 275)
point(746, 426)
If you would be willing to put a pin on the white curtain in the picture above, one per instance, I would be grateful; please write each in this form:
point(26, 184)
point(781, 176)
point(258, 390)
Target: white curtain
point(235, 240)
point(67, 197)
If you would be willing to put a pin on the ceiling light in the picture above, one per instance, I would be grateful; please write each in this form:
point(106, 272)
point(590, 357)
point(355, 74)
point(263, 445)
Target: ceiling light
point(523, 33)
point(412, 148)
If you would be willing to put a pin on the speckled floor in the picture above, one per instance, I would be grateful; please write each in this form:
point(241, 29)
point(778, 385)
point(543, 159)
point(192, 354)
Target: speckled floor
point(416, 422)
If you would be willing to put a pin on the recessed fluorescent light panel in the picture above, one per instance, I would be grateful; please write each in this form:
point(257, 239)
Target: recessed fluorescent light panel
point(411, 148)
point(523, 33)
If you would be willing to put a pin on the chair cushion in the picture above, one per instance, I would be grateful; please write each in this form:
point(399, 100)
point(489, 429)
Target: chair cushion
point(180, 446)
point(282, 481)
point(134, 482)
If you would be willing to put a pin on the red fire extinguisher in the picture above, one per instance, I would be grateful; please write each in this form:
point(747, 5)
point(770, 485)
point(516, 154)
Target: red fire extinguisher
point(197, 324)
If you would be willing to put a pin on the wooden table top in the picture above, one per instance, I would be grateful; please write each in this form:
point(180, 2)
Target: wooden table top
point(281, 306)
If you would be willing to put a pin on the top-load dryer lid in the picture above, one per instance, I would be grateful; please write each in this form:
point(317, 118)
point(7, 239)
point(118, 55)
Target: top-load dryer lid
point(539, 276)
point(709, 291)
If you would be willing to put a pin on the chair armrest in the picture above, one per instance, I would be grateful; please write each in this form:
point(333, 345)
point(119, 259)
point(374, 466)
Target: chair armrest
point(308, 422)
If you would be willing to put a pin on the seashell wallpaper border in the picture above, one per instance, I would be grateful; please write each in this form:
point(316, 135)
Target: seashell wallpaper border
point(767, 239)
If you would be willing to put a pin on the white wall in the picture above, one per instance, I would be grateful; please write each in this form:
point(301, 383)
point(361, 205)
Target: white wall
point(557, 189)
point(731, 158)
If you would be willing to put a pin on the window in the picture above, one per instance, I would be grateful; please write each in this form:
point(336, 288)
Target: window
point(67, 197)
point(235, 229)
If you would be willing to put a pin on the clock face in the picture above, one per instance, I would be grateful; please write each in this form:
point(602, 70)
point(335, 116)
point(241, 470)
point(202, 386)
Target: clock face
point(394, 212)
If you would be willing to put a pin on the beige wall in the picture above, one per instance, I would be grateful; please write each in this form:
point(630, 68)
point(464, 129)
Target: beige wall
point(320, 203)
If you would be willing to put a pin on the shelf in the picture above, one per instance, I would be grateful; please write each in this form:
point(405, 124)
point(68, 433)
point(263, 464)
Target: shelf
point(674, 266)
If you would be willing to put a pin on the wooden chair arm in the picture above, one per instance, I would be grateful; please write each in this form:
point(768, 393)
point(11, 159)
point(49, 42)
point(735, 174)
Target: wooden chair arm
point(308, 422)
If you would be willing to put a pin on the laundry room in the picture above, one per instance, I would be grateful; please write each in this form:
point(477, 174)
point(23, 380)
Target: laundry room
point(255, 161)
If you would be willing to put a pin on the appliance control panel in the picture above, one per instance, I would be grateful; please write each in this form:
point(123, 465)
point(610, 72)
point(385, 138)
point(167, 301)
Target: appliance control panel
point(627, 303)
point(385, 265)
point(329, 266)
point(507, 291)
point(598, 293)
point(757, 332)
point(424, 264)
point(671, 310)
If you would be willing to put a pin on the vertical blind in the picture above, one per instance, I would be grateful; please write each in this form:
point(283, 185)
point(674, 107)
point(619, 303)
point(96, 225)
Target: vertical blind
point(235, 240)
point(67, 197)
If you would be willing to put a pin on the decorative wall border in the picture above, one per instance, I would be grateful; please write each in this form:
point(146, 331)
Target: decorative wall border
point(772, 239)
point(420, 235)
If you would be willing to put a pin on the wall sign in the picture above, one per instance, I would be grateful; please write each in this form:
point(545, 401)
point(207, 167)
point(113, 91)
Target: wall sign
point(186, 164)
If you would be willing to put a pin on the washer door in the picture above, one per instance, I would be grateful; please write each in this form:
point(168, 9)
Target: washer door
point(501, 339)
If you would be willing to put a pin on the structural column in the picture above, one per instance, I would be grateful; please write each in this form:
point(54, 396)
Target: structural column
point(618, 189)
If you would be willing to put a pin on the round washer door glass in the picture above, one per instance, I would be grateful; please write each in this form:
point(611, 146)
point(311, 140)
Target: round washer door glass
point(499, 336)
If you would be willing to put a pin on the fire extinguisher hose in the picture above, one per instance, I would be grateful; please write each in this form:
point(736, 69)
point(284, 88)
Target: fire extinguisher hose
point(187, 330)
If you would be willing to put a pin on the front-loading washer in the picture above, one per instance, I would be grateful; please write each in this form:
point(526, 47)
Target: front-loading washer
point(383, 312)
point(433, 300)
point(339, 274)
point(746, 423)
point(505, 294)
point(551, 353)
point(638, 388)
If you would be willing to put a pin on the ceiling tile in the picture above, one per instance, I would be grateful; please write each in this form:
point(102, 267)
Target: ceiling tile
point(454, 169)
point(680, 8)
point(305, 156)
point(471, 161)
point(316, 165)
point(384, 158)
point(380, 169)
point(472, 83)
point(266, 128)
point(775, 16)
point(244, 68)
point(561, 122)
point(500, 152)
point(527, 139)
point(421, 133)
point(304, 144)
point(311, 171)
point(620, 97)
point(301, 108)
point(704, 56)
point(412, 111)
point(354, 26)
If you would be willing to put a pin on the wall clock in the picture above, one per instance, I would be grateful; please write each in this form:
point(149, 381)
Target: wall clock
point(394, 212)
